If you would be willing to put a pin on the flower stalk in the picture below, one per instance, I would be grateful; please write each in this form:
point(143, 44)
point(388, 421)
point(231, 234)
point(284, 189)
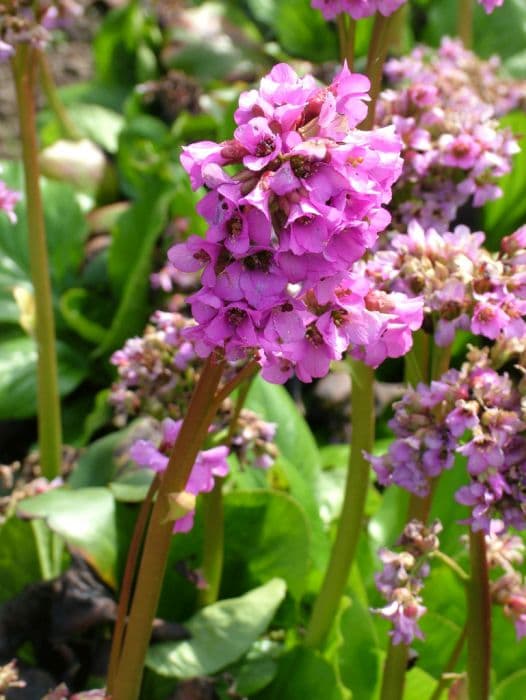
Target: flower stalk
point(201, 411)
point(479, 620)
point(465, 22)
point(49, 88)
point(24, 64)
point(351, 520)
point(214, 518)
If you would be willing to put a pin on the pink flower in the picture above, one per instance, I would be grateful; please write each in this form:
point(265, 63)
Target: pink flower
point(305, 203)
point(208, 465)
point(8, 200)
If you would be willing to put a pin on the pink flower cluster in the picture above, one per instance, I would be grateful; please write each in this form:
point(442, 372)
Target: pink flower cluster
point(490, 5)
point(357, 9)
point(464, 286)
point(8, 200)
point(505, 551)
point(477, 413)
point(156, 372)
point(444, 106)
point(402, 578)
point(301, 200)
point(208, 465)
point(157, 375)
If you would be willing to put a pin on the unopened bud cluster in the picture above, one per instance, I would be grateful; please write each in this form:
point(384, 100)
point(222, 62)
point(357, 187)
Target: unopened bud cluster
point(402, 578)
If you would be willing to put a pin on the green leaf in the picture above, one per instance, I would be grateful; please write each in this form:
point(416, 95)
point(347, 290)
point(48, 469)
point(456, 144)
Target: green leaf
point(18, 558)
point(293, 437)
point(18, 375)
point(73, 308)
point(117, 46)
point(267, 535)
point(440, 638)
point(310, 495)
point(502, 216)
point(387, 523)
point(220, 634)
point(107, 458)
point(100, 124)
point(86, 519)
point(418, 684)
point(257, 669)
point(66, 230)
point(132, 486)
point(446, 508)
point(303, 674)
point(358, 658)
point(303, 32)
point(130, 262)
point(513, 687)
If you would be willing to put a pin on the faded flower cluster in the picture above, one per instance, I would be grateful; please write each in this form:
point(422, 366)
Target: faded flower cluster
point(444, 105)
point(294, 199)
point(477, 413)
point(464, 286)
point(156, 372)
point(402, 578)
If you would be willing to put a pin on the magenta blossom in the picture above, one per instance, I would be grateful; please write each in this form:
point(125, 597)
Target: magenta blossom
point(208, 465)
point(357, 9)
point(8, 200)
point(286, 225)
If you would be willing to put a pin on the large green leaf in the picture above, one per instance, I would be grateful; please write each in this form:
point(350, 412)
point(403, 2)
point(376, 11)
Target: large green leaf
point(65, 233)
point(513, 687)
point(358, 658)
point(502, 216)
point(293, 437)
point(130, 261)
point(440, 638)
point(18, 375)
point(18, 558)
point(418, 684)
point(303, 32)
point(220, 634)
point(304, 674)
point(98, 123)
point(266, 535)
point(86, 519)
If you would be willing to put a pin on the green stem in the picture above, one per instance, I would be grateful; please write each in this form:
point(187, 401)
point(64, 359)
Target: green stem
point(351, 520)
point(428, 362)
point(479, 620)
point(214, 518)
point(346, 36)
point(417, 360)
point(394, 672)
point(42, 536)
point(213, 543)
point(48, 401)
point(341, 26)
point(351, 39)
point(452, 564)
point(376, 54)
point(450, 666)
point(465, 22)
point(201, 411)
point(69, 130)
